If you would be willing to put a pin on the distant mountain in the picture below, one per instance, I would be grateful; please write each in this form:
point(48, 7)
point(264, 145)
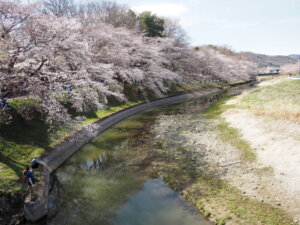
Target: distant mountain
point(294, 56)
point(273, 61)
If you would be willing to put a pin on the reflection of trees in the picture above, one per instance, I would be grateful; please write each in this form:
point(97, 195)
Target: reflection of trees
point(94, 164)
point(110, 154)
point(98, 180)
point(93, 199)
point(196, 105)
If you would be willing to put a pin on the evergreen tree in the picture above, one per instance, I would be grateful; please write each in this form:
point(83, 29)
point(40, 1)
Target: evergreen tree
point(152, 24)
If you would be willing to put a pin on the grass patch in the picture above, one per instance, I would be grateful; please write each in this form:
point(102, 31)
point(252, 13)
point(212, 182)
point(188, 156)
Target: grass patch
point(227, 133)
point(57, 137)
point(215, 110)
point(106, 112)
point(278, 101)
point(20, 143)
point(229, 202)
point(251, 211)
point(19, 104)
point(233, 137)
point(13, 159)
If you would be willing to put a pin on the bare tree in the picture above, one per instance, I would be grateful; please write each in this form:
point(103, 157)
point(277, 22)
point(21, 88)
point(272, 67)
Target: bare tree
point(61, 7)
point(174, 30)
point(14, 15)
point(108, 12)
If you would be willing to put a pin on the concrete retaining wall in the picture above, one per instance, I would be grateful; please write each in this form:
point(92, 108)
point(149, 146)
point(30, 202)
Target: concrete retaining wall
point(38, 209)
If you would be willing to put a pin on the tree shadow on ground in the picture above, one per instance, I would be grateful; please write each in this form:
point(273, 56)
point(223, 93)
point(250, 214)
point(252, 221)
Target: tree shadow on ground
point(31, 132)
point(13, 164)
point(18, 142)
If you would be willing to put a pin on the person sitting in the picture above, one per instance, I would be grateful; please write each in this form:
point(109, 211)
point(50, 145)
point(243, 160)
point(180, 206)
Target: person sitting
point(35, 163)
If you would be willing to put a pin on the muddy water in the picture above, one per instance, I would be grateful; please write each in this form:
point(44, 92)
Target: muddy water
point(110, 181)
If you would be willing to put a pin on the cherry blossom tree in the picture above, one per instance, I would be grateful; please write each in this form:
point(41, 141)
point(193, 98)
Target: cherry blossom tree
point(64, 67)
point(291, 69)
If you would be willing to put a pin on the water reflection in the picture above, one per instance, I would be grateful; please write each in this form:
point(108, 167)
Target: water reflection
point(97, 182)
point(157, 204)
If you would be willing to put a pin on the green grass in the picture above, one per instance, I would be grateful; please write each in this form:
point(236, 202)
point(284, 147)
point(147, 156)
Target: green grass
point(277, 101)
point(103, 113)
point(13, 159)
point(250, 210)
point(20, 143)
point(233, 137)
point(287, 90)
point(215, 110)
point(20, 103)
point(238, 207)
point(227, 133)
point(57, 137)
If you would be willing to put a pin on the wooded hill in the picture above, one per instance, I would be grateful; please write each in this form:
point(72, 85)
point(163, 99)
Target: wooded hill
point(58, 61)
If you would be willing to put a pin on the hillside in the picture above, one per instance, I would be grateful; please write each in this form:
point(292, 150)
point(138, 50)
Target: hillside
point(266, 60)
point(58, 68)
point(294, 56)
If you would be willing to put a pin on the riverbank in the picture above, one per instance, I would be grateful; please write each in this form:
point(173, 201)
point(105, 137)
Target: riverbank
point(225, 179)
point(268, 118)
point(38, 209)
point(116, 168)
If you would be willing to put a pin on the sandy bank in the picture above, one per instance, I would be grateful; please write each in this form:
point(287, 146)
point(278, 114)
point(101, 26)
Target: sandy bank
point(277, 146)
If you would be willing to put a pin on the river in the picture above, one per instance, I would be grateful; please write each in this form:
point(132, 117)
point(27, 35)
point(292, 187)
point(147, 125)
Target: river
point(111, 181)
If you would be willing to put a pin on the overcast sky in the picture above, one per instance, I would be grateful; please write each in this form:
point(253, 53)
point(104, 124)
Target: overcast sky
point(262, 26)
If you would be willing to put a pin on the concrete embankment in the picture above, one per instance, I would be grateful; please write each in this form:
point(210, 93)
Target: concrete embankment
point(38, 209)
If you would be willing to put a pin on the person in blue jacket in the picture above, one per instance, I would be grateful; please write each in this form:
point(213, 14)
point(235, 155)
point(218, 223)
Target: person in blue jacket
point(30, 180)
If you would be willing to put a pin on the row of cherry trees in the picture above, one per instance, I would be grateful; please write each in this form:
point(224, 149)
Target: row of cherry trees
point(77, 63)
point(291, 68)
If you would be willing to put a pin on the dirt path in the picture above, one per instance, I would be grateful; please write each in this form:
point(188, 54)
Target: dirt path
point(277, 146)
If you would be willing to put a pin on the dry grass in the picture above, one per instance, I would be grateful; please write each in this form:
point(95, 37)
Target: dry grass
point(279, 110)
point(280, 100)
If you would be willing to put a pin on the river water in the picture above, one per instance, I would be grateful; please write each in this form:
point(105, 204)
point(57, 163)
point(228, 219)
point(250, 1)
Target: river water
point(110, 181)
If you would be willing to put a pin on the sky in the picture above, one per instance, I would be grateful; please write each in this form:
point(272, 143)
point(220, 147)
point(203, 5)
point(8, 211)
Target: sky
point(262, 26)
